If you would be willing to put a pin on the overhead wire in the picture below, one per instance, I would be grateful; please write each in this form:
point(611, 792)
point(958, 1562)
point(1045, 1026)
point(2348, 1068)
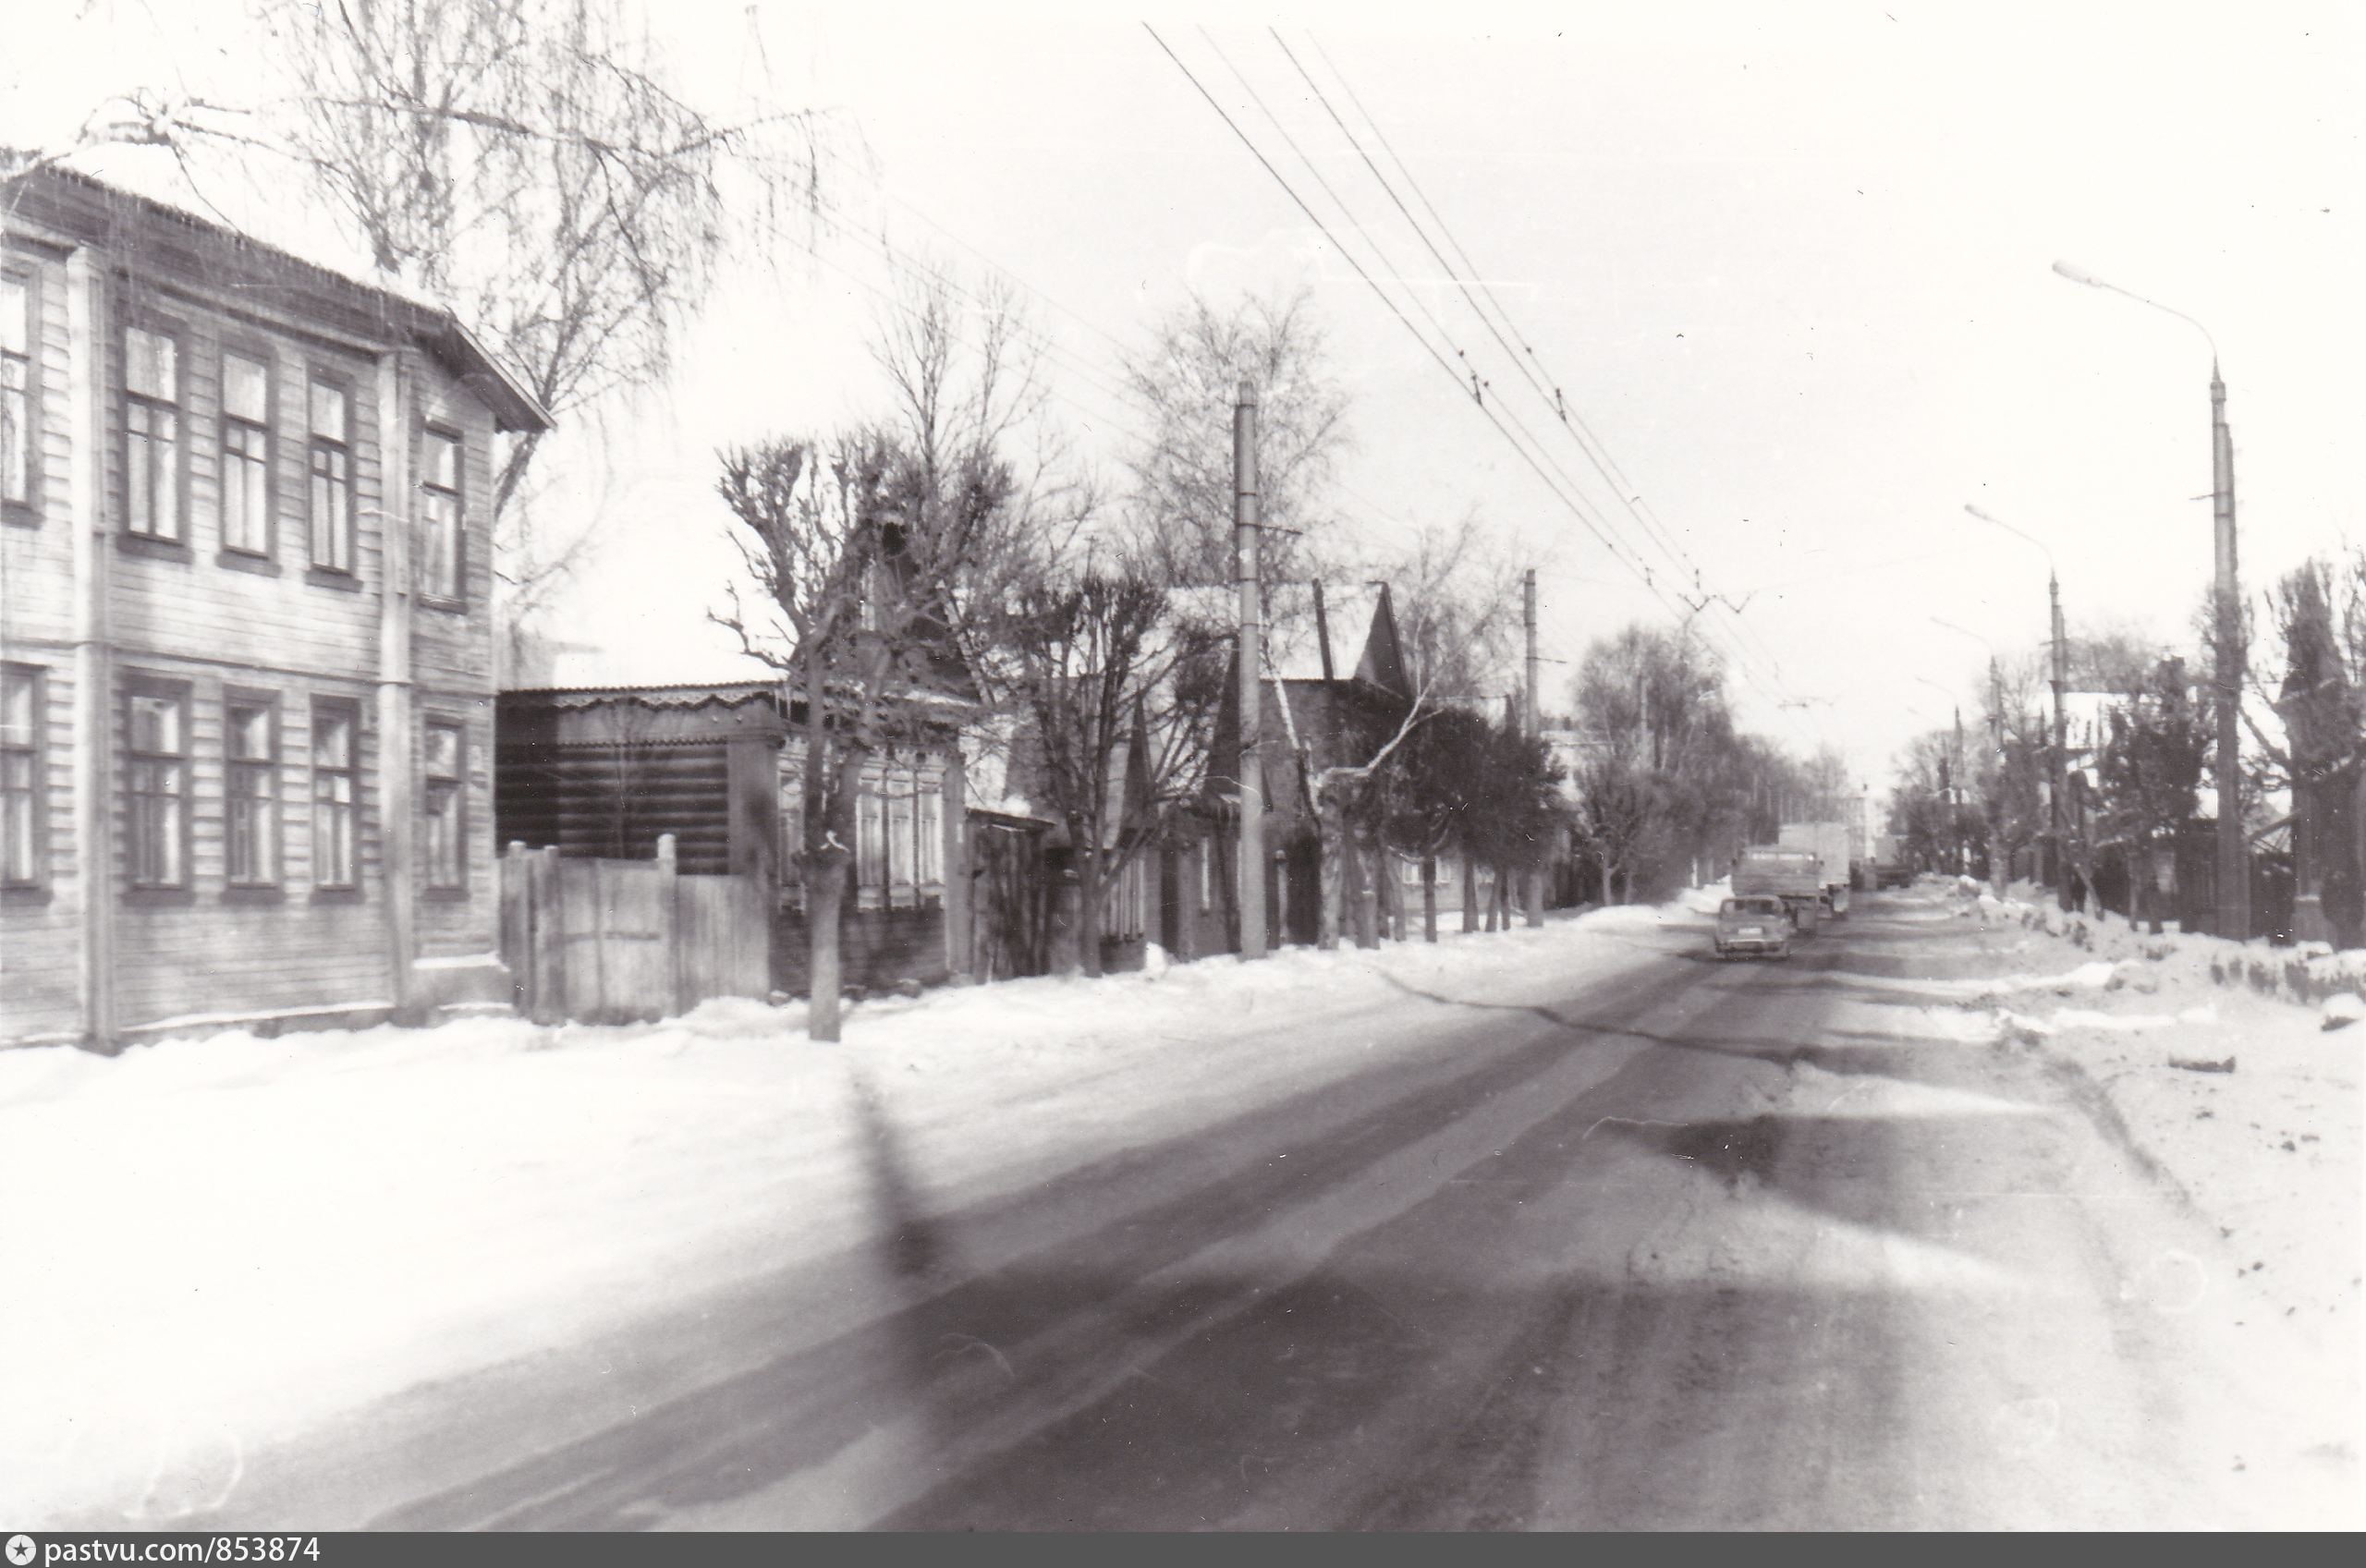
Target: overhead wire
point(1595, 524)
point(1533, 372)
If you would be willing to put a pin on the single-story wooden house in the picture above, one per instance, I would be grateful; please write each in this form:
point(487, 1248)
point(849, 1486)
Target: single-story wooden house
point(939, 891)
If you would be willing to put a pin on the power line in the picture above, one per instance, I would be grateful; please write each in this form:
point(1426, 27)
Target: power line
point(1525, 358)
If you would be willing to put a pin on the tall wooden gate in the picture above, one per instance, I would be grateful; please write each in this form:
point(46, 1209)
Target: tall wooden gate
point(616, 940)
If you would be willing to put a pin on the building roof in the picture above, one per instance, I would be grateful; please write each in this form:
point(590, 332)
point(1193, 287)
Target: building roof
point(71, 204)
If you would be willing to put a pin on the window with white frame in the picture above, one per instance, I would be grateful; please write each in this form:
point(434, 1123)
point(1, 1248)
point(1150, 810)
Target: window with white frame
point(330, 423)
point(251, 791)
point(336, 826)
point(870, 836)
point(246, 454)
point(152, 433)
point(23, 855)
point(901, 856)
point(441, 563)
point(442, 802)
point(156, 809)
point(18, 445)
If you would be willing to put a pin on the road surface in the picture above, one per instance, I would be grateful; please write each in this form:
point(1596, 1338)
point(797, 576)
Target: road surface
point(1754, 1245)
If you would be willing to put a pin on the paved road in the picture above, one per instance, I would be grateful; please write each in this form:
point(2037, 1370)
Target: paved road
point(1719, 1246)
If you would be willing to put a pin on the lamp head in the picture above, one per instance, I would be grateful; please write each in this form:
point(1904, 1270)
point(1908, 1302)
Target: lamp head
point(2079, 274)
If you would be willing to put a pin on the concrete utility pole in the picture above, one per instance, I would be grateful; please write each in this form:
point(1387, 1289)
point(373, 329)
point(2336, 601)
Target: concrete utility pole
point(1533, 892)
point(2233, 858)
point(1251, 765)
point(2234, 914)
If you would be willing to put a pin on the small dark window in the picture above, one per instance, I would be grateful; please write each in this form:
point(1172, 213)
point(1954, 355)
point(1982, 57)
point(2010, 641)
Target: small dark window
point(157, 809)
point(246, 454)
point(250, 792)
point(151, 433)
point(441, 559)
point(20, 448)
point(330, 421)
point(24, 857)
point(335, 828)
point(443, 807)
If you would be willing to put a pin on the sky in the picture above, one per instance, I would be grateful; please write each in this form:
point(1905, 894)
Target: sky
point(1791, 269)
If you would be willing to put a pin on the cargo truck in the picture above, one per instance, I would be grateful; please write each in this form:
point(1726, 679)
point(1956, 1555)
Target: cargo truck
point(1795, 876)
point(1890, 869)
point(1829, 842)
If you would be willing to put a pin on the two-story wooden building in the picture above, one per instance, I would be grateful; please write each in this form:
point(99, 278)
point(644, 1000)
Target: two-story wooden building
point(246, 632)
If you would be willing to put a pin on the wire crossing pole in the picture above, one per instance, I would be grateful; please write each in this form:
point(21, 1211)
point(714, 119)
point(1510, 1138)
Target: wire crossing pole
point(2233, 859)
point(1533, 893)
point(1250, 766)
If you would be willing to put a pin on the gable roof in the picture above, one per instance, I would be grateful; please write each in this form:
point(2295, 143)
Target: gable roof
point(88, 211)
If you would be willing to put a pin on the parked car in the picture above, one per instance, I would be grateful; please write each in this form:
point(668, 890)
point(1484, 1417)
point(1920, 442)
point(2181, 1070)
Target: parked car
point(1758, 923)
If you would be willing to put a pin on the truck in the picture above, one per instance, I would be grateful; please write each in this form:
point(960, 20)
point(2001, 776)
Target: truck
point(1795, 876)
point(1829, 842)
point(1890, 869)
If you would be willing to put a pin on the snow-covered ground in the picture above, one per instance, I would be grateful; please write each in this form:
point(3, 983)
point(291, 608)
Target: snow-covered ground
point(2216, 1056)
point(211, 1243)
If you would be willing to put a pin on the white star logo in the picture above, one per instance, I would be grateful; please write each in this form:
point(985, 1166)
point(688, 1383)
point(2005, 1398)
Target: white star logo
point(20, 1549)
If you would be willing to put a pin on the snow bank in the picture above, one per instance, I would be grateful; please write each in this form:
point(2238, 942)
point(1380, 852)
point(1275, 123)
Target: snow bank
point(2269, 1149)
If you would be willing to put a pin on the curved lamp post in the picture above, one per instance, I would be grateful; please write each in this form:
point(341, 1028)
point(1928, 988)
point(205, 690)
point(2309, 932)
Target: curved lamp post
point(2234, 861)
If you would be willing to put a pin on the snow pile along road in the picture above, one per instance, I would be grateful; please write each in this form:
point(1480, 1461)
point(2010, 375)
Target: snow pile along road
point(2239, 1090)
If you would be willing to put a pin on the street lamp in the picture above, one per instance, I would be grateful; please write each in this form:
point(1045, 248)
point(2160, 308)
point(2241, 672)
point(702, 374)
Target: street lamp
point(2234, 880)
point(2057, 814)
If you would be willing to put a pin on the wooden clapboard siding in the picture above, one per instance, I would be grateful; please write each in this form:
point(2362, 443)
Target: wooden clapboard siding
point(196, 615)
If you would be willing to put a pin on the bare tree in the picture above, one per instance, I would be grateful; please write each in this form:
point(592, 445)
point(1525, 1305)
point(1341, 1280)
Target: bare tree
point(528, 163)
point(1186, 381)
point(859, 560)
point(1120, 694)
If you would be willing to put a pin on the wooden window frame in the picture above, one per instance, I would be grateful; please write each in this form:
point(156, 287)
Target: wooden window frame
point(453, 593)
point(317, 448)
point(141, 872)
point(272, 835)
point(177, 333)
point(25, 510)
point(33, 749)
point(348, 710)
point(225, 422)
point(450, 791)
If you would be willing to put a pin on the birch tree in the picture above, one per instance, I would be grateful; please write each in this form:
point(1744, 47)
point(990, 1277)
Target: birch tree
point(532, 165)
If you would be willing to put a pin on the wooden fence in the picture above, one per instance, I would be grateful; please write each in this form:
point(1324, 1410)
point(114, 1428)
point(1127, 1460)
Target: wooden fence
point(616, 940)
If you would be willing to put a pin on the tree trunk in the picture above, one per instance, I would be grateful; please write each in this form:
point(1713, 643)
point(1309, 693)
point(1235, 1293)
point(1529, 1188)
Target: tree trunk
point(1088, 913)
point(1367, 896)
point(1469, 894)
point(825, 884)
point(1429, 898)
point(1337, 883)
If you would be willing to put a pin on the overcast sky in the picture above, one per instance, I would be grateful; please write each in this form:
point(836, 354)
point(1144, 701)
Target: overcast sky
point(1790, 265)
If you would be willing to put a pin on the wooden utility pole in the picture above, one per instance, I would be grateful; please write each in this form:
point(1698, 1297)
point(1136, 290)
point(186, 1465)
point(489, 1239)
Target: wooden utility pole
point(1249, 765)
point(1532, 892)
point(2233, 849)
point(2061, 792)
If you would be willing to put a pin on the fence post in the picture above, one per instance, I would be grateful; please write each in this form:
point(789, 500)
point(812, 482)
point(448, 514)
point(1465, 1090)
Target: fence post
point(546, 935)
point(669, 922)
point(517, 928)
